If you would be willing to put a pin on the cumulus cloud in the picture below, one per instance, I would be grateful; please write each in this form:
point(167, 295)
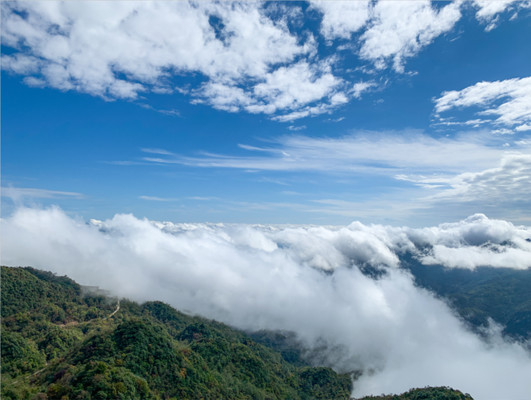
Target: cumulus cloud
point(243, 56)
point(475, 241)
point(391, 31)
point(341, 18)
point(400, 29)
point(487, 10)
point(361, 87)
point(509, 101)
point(113, 50)
point(286, 88)
point(93, 43)
point(304, 279)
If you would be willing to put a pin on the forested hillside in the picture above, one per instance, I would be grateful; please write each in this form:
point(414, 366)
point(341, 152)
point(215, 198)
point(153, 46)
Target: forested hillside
point(59, 342)
point(63, 341)
point(429, 393)
point(499, 294)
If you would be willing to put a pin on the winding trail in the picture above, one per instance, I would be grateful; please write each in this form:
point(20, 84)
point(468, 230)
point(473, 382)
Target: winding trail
point(65, 325)
point(115, 311)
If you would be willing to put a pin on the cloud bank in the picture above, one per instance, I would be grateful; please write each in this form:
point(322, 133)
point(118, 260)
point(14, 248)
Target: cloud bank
point(304, 279)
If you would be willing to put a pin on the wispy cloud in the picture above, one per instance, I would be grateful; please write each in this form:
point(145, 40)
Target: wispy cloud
point(509, 101)
point(17, 193)
point(507, 182)
point(155, 198)
point(174, 113)
point(488, 11)
point(361, 87)
point(421, 177)
point(295, 128)
point(162, 152)
point(371, 152)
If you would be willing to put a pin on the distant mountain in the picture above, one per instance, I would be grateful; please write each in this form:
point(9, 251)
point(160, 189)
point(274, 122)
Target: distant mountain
point(500, 294)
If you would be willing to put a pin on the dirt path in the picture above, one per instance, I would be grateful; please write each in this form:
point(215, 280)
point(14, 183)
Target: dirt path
point(115, 311)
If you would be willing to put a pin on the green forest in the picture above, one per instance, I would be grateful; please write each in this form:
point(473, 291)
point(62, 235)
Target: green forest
point(61, 342)
point(428, 393)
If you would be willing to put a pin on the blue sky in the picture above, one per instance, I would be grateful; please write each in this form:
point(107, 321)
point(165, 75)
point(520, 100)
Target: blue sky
point(324, 112)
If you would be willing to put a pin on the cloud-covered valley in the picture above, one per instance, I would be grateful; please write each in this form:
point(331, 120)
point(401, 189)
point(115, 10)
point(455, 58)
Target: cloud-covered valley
point(306, 279)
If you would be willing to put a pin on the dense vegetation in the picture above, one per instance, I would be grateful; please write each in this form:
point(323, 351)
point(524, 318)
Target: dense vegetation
point(429, 393)
point(60, 343)
point(500, 294)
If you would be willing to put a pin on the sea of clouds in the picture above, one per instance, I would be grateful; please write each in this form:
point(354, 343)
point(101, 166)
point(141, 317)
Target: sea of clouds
point(304, 279)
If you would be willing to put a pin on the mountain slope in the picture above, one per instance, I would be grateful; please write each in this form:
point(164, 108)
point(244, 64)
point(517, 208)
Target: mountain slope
point(482, 294)
point(59, 343)
point(429, 393)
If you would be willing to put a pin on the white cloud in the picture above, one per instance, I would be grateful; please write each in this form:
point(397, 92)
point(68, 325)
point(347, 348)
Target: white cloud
point(341, 18)
point(524, 127)
point(20, 64)
point(508, 100)
point(447, 177)
point(114, 50)
point(155, 198)
point(297, 84)
point(361, 87)
point(246, 55)
point(322, 108)
point(296, 127)
point(224, 96)
point(475, 241)
point(389, 328)
point(286, 88)
point(400, 29)
point(387, 153)
point(17, 193)
point(391, 31)
point(511, 178)
point(500, 190)
point(488, 10)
